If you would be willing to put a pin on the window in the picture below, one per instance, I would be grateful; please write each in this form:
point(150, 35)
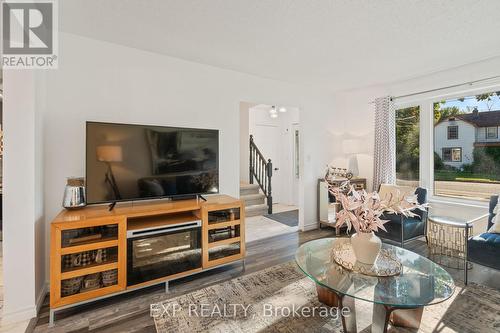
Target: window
point(407, 146)
point(452, 154)
point(452, 132)
point(469, 169)
point(446, 154)
point(491, 132)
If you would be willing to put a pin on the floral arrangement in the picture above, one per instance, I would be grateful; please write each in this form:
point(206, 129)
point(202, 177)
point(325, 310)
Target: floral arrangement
point(364, 211)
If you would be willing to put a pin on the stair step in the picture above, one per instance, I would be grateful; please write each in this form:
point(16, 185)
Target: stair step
point(246, 189)
point(253, 199)
point(255, 210)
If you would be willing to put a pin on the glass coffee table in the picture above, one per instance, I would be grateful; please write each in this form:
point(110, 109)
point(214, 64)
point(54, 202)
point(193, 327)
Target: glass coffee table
point(398, 299)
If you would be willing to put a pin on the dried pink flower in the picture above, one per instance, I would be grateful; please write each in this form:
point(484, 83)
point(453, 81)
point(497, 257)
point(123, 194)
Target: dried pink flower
point(363, 210)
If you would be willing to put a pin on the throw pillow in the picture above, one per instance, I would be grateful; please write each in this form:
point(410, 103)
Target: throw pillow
point(495, 228)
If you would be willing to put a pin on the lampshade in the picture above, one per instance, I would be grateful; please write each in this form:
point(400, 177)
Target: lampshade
point(109, 153)
point(352, 146)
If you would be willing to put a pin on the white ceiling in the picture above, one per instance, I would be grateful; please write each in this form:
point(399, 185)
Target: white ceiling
point(340, 44)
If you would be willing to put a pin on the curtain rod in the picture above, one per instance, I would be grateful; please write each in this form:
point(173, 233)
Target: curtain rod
point(443, 88)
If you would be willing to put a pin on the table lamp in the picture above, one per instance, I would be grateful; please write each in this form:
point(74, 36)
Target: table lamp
point(109, 154)
point(352, 147)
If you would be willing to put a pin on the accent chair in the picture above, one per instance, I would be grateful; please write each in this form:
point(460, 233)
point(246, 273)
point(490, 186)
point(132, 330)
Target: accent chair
point(484, 249)
point(402, 229)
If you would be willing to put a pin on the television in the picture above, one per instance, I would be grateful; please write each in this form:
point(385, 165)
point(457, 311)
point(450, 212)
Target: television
point(126, 162)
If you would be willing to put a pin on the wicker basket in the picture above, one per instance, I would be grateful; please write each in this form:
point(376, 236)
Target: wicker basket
point(91, 282)
point(110, 277)
point(71, 286)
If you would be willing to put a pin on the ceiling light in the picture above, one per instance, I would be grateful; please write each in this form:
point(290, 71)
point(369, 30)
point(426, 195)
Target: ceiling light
point(272, 110)
point(274, 115)
point(282, 109)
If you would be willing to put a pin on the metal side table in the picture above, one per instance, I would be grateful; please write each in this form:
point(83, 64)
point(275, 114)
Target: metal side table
point(447, 240)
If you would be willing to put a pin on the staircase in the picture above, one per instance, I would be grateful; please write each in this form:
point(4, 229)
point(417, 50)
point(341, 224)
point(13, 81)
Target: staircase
point(261, 171)
point(255, 201)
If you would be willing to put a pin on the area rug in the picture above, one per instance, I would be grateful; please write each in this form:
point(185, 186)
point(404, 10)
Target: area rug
point(289, 218)
point(252, 303)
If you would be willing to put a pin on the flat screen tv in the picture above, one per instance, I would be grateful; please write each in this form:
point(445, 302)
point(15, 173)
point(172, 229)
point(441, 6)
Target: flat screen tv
point(133, 162)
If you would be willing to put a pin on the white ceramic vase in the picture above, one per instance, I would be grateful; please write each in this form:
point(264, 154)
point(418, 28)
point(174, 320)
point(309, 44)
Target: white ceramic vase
point(366, 247)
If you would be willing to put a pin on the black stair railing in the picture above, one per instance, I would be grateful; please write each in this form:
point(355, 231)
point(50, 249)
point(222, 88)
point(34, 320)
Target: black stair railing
point(262, 171)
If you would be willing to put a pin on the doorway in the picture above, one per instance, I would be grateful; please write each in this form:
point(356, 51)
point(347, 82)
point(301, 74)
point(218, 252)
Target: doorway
point(269, 133)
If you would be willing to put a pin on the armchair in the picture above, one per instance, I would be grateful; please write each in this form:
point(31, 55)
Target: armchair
point(484, 249)
point(402, 229)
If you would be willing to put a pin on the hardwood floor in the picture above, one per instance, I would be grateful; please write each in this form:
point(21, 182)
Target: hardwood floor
point(130, 312)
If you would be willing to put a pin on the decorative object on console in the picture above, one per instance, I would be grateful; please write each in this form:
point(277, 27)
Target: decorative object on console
point(91, 282)
point(109, 154)
point(337, 174)
point(74, 193)
point(363, 211)
point(327, 207)
point(71, 286)
point(109, 278)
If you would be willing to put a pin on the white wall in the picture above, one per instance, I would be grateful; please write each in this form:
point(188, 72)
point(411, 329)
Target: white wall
point(244, 140)
point(466, 139)
point(23, 213)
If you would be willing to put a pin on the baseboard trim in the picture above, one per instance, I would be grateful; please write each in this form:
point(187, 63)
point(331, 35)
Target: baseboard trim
point(26, 313)
point(18, 316)
point(41, 297)
point(311, 226)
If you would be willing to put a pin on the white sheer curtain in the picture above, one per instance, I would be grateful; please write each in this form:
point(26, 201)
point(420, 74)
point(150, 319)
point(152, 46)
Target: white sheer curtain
point(384, 166)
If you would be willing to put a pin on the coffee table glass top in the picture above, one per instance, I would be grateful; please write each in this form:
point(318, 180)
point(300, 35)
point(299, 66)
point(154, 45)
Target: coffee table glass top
point(421, 283)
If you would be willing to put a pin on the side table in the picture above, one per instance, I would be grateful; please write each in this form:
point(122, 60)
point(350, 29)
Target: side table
point(447, 240)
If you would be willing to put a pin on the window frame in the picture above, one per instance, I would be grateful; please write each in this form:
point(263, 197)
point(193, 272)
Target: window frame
point(448, 131)
point(444, 154)
point(426, 103)
point(487, 132)
point(451, 149)
point(453, 156)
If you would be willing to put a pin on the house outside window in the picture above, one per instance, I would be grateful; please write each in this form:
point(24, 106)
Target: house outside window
point(466, 147)
point(452, 132)
point(492, 132)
